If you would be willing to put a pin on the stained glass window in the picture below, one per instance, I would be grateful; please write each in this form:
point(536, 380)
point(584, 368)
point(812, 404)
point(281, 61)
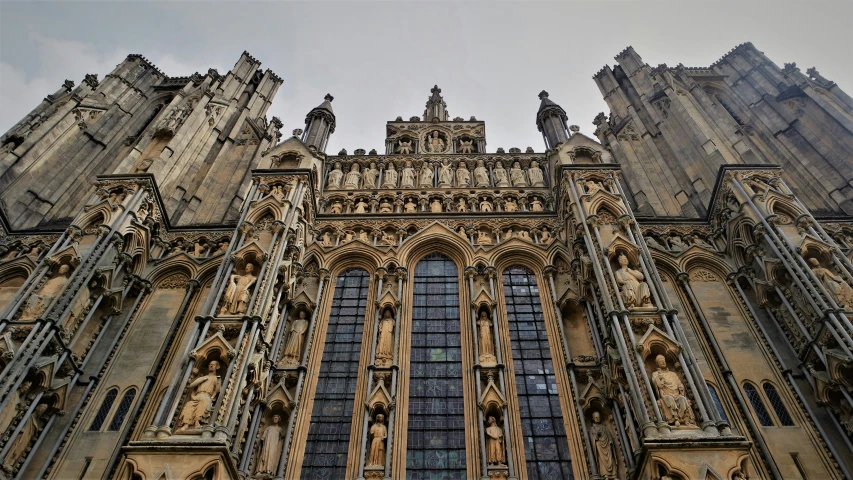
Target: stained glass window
point(758, 405)
point(106, 405)
point(331, 419)
point(436, 435)
point(717, 402)
point(546, 448)
point(778, 405)
point(123, 408)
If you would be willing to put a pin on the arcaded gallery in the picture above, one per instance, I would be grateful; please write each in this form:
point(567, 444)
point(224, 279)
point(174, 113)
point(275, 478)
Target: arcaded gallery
point(190, 292)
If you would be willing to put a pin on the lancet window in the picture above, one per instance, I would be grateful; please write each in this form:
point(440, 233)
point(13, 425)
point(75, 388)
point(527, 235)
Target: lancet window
point(719, 404)
point(331, 418)
point(123, 408)
point(106, 406)
point(546, 448)
point(758, 405)
point(778, 405)
point(436, 424)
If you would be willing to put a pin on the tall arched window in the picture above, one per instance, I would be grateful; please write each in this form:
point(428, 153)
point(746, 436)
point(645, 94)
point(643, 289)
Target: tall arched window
point(778, 405)
point(123, 408)
point(106, 405)
point(436, 435)
point(717, 402)
point(331, 418)
point(758, 405)
point(545, 446)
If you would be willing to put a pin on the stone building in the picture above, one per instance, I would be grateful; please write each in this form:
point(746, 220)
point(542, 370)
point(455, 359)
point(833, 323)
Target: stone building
point(187, 294)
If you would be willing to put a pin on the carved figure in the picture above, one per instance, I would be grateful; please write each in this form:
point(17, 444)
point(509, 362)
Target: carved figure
point(142, 213)
point(426, 176)
point(404, 147)
point(293, 347)
point(835, 284)
point(410, 206)
point(385, 207)
point(388, 239)
point(385, 341)
point(362, 235)
point(272, 442)
point(378, 433)
point(353, 178)
point(603, 443)
point(461, 232)
point(199, 248)
point(336, 207)
point(370, 176)
point(434, 143)
point(203, 390)
point(360, 206)
point(495, 453)
point(445, 174)
point(483, 238)
point(516, 174)
point(510, 206)
point(486, 342)
point(277, 192)
point(509, 234)
point(327, 240)
point(408, 180)
point(501, 179)
point(524, 235)
point(19, 446)
point(38, 303)
point(592, 186)
point(390, 178)
point(461, 206)
point(634, 291)
point(536, 205)
point(485, 205)
point(674, 406)
point(236, 299)
point(481, 175)
point(676, 244)
point(545, 236)
point(435, 206)
point(15, 405)
point(463, 176)
point(466, 146)
point(653, 243)
point(534, 173)
point(335, 177)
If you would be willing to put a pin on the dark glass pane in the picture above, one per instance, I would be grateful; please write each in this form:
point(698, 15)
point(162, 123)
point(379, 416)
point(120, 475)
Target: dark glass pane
point(331, 419)
point(123, 408)
point(717, 402)
point(546, 448)
point(778, 405)
point(758, 405)
point(106, 405)
point(436, 435)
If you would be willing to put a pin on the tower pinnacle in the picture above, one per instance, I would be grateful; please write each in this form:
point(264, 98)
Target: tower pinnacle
point(320, 124)
point(436, 109)
point(551, 121)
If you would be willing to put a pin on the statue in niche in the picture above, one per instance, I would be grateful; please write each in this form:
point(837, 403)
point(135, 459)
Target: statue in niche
point(348, 236)
point(203, 390)
point(634, 291)
point(32, 426)
point(524, 235)
point(404, 147)
point(353, 177)
point(336, 208)
point(272, 442)
point(360, 206)
point(483, 238)
point(143, 165)
point(117, 196)
point(835, 284)
point(434, 143)
point(223, 247)
point(486, 342)
point(653, 243)
point(385, 207)
point(385, 342)
point(510, 205)
point(463, 176)
point(327, 240)
point(295, 336)
point(445, 174)
point(461, 232)
point(516, 174)
point(534, 173)
point(277, 192)
point(426, 176)
point(388, 239)
point(15, 405)
point(603, 443)
point(495, 453)
point(461, 206)
point(237, 296)
point(362, 235)
point(378, 433)
point(485, 205)
point(545, 236)
point(370, 176)
point(199, 248)
point(38, 303)
point(676, 244)
point(435, 206)
point(509, 234)
point(410, 206)
point(673, 404)
point(466, 146)
point(536, 205)
point(408, 178)
point(481, 174)
point(335, 177)
point(390, 178)
point(142, 213)
point(592, 186)
point(501, 179)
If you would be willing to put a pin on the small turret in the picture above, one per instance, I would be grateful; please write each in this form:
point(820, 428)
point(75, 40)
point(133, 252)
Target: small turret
point(320, 124)
point(436, 109)
point(551, 121)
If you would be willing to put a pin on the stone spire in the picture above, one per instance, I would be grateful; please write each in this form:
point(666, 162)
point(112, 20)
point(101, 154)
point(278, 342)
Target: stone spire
point(320, 124)
point(436, 109)
point(551, 121)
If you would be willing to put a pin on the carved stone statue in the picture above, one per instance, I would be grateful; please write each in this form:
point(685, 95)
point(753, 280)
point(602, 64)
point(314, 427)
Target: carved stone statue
point(603, 443)
point(534, 173)
point(676, 244)
point(485, 205)
point(510, 206)
point(634, 291)
point(434, 143)
point(461, 232)
point(203, 390)
point(199, 248)
point(389, 180)
point(388, 239)
point(481, 175)
point(483, 238)
point(277, 192)
point(385, 342)
point(385, 207)
point(461, 206)
point(378, 433)
point(19, 446)
point(545, 236)
point(360, 206)
point(408, 178)
point(370, 176)
point(410, 206)
point(15, 404)
point(592, 186)
point(272, 442)
point(404, 147)
point(445, 174)
point(463, 176)
point(485, 340)
point(501, 179)
point(353, 178)
point(38, 303)
point(673, 404)
point(237, 296)
point(509, 234)
point(536, 205)
point(466, 146)
point(336, 207)
point(835, 284)
point(426, 176)
point(524, 235)
point(362, 235)
point(335, 177)
point(435, 206)
point(495, 452)
point(327, 240)
point(295, 336)
point(516, 174)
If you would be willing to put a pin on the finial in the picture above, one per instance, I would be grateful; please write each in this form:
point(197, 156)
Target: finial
point(328, 97)
point(435, 89)
point(543, 95)
point(574, 128)
point(297, 132)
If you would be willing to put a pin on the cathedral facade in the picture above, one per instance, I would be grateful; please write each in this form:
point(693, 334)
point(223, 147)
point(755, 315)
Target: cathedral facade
point(186, 293)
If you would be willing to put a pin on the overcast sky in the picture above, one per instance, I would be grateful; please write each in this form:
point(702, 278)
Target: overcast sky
point(379, 60)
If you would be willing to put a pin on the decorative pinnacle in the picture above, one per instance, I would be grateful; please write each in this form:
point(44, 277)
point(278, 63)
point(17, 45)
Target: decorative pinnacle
point(328, 97)
point(435, 89)
point(543, 95)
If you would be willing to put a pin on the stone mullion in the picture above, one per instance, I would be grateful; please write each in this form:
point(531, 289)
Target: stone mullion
point(380, 276)
point(470, 273)
point(402, 275)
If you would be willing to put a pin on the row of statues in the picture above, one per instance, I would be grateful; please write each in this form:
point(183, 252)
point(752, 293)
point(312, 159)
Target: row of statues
point(199, 248)
point(437, 205)
point(677, 243)
point(447, 176)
